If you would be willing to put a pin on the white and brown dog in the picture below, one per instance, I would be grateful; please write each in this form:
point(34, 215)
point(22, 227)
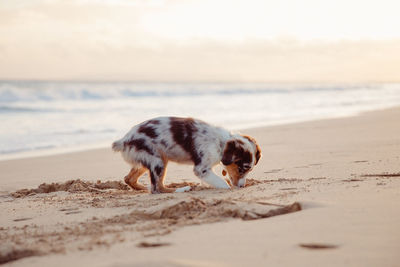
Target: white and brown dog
point(151, 144)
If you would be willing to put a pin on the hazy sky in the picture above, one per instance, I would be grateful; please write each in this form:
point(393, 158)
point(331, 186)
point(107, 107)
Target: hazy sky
point(281, 40)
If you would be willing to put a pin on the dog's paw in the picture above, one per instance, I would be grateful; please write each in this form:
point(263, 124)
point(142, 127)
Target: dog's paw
point(222, 184)
point(183, 189)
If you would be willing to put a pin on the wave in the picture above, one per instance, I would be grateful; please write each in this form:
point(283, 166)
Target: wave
point(55, 115)
point(12, 92)
point(85, 131)
point(12, 109)
point(25, 149)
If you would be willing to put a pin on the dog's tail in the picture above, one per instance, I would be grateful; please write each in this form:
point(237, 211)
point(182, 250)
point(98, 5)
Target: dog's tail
point(118, 145)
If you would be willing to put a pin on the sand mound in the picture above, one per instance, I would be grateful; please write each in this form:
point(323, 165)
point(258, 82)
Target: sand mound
point(12, 254)
point(78, 185)
point(199, 187)
point(251, 182)
point(72, 186)
point(382, 175)
point(194, 186)
point(195, 208)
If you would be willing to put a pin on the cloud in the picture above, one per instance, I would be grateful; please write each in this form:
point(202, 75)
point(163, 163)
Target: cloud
point(199, 40)
point(346, 61)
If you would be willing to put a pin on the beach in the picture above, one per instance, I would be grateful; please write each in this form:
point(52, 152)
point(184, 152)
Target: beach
point(325, 193)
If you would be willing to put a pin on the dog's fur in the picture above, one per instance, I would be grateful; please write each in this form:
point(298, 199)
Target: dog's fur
point(151, 144)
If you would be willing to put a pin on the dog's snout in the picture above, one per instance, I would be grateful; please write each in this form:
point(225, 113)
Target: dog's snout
point(241, 182)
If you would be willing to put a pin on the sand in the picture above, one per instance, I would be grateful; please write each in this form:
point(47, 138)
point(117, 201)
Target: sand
point(325, 193)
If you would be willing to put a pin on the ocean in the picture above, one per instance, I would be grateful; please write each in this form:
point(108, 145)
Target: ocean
point(41, 117)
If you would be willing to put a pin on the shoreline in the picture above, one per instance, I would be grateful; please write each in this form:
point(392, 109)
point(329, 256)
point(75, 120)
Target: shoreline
point(104, 145)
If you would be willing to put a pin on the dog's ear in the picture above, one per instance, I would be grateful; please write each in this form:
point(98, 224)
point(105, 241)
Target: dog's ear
point(229, 150)
point(258, 149)
point(258, 153)
point(233, 151)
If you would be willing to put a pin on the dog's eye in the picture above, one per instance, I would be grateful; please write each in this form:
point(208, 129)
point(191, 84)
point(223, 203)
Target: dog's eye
point(246, 167)
point(239, 163)
point(243, 167)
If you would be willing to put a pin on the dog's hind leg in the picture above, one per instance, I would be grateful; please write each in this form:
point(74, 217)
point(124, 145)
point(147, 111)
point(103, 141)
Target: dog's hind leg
point(157, 175)
point(165, 189)
point(132, 178)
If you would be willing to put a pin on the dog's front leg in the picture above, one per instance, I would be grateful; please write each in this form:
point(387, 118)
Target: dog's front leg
point(209, 177)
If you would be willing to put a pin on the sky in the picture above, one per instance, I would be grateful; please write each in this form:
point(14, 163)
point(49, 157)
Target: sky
point(219, 40)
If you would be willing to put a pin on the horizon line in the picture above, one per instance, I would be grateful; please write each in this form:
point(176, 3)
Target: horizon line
point(73, 80)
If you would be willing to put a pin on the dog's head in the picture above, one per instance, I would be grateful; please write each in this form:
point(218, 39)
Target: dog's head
point(240, 155)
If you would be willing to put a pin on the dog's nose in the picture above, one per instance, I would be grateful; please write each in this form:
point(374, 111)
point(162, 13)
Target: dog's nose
point(241, 183)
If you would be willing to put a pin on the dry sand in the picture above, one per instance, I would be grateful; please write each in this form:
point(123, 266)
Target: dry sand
point(335, 185)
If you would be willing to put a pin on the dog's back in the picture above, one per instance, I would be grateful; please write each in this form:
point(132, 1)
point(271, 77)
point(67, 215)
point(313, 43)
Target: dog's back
point(178, 139)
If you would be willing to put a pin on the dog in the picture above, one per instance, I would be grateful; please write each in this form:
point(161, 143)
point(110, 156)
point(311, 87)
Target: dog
point(151, 144)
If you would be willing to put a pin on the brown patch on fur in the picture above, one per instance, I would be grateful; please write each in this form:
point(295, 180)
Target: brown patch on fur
point(155, 122)
point(139, 144)
point(148, 130)
point(229, 151)
point(182, 130)
point(223, 173)
point(233, 171)
point(247, 157)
